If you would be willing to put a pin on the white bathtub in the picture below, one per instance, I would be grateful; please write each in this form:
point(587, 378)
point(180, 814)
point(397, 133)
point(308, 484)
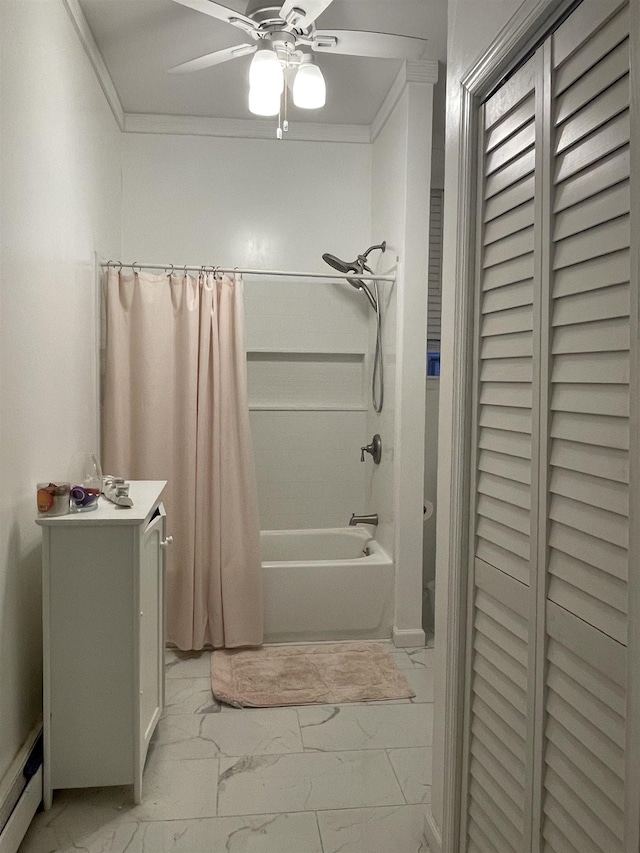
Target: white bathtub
point(334, 584)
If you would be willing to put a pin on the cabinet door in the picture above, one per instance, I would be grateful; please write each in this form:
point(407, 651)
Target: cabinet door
point(151, 636)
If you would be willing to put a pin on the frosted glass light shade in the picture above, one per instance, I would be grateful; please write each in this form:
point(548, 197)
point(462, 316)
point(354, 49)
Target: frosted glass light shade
point(263, 103)
point(309, 88)
point(265, 72)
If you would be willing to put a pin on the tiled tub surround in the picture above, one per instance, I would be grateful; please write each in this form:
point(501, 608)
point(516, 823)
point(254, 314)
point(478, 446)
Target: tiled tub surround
point(352, 778)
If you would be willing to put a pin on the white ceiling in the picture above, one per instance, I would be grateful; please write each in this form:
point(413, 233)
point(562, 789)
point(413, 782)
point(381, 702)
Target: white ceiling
point(140, 39)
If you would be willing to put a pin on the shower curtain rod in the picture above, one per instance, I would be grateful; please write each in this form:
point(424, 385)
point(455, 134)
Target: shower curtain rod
point(245, 271)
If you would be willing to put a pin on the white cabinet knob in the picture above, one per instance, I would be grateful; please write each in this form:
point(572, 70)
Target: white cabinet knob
point(166, 542)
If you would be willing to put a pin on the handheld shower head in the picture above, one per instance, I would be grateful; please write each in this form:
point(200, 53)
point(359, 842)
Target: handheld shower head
point(358, 266)
point(340, 265)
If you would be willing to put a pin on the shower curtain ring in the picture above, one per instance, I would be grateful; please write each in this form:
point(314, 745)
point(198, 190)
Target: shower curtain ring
point(120, 267)
point(133, 267)
point(169, 272)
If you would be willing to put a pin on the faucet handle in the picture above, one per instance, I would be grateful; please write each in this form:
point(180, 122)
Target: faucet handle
point(375, 449)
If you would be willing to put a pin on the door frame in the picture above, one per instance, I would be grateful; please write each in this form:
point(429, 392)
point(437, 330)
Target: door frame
point(522, 34)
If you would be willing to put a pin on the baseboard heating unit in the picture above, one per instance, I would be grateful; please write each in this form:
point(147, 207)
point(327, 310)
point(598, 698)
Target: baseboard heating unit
point(21, 792)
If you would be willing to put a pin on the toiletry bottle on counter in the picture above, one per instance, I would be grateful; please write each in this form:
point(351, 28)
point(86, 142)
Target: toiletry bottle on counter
point(53, 498)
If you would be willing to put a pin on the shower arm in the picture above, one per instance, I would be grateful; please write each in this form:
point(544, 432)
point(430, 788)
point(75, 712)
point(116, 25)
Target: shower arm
point(382, 246)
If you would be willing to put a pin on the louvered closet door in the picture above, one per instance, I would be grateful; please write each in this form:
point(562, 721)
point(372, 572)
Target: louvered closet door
point(588, 476)
point(583, 796)
point(589, 507)
point(546, 689)
point(505, 324)
point(498, 719)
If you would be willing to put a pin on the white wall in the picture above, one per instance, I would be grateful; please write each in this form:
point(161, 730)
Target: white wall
point(59, 202)
point(274, 205)
point(400, 215)
point(472, 26)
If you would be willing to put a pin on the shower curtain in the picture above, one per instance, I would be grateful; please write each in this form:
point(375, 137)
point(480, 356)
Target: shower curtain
point(175, 408)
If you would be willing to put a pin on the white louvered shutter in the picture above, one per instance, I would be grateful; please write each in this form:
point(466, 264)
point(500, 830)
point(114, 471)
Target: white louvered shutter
point(505, 324)
point(434, 305)
point(588, 476)
point(498, 716)
point(589, 336)
point(583, 803)
point(547, 680)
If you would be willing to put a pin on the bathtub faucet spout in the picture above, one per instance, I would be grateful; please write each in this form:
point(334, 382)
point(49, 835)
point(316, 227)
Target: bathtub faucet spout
point(363, 519)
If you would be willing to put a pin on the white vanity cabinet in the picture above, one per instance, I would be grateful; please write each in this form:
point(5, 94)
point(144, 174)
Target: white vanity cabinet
point(103, 641)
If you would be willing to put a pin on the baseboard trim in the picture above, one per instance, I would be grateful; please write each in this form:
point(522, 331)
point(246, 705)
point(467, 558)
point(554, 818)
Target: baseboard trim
point(26, 807)
point(432, 833)
point(408, 638)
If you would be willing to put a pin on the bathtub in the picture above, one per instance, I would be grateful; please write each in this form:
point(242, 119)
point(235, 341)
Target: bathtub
point(333, 584)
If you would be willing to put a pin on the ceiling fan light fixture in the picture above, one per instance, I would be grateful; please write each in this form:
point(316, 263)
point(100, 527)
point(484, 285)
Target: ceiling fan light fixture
point(266, 73)
point(309, 87)
point(263, 103)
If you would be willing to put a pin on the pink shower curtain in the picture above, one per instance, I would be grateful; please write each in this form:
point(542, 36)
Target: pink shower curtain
point(175, 408)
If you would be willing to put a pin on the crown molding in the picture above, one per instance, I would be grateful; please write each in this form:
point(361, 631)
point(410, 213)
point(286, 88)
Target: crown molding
point(95, 58)
point(412, 71)
point(244, 128)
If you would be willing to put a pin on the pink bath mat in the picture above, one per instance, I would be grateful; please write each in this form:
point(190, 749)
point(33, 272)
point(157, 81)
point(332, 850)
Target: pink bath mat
point(325, 674)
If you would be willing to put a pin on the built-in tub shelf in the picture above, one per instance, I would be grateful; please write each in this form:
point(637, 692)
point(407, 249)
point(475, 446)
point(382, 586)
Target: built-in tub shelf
point(309, 381)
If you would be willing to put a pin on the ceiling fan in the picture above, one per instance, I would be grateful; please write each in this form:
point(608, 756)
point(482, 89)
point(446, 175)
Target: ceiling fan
point(284, 38)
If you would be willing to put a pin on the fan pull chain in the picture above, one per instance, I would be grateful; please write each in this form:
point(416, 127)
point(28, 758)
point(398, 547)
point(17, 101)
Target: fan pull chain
point(285, 123)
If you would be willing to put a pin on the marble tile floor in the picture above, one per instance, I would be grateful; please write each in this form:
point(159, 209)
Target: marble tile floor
point(350, 778)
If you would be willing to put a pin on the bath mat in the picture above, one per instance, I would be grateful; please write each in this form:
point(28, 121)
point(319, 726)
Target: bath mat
point(326, 674)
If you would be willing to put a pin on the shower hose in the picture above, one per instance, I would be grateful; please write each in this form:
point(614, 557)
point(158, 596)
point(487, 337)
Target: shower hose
point(377, 380)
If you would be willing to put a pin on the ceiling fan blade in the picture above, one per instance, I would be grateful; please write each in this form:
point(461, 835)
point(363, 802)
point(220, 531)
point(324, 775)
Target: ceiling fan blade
point(222, 13)
point(214, 58)
point(360, 43)
point(302, 13)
